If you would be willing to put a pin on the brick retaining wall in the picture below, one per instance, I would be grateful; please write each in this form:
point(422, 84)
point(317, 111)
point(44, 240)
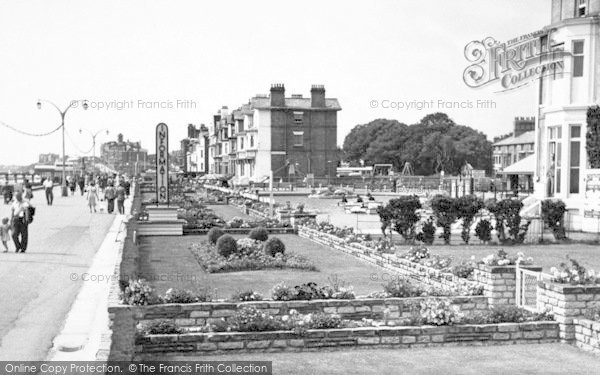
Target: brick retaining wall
point(197, 314)
point(194, 344)
point(567, 302)
point(587, 335)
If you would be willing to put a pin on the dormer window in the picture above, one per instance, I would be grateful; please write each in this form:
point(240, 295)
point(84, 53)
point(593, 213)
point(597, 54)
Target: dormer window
point(581, 8)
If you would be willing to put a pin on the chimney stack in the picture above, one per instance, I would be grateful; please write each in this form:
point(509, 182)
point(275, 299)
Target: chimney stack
point(277, 95)
point(317, 96)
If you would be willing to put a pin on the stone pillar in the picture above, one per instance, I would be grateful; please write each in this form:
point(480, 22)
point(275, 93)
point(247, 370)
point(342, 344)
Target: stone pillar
point(499, 283)
point(123, 332)
point(567, 302)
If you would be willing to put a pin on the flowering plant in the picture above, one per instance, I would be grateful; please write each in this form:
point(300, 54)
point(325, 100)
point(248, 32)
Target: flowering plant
point(501, 258)
point(573, 273)
point(439, 312)
point(140, 293)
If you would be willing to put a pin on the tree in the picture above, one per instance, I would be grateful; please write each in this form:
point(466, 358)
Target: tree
point(445, 214)
point(401, 215)
point(466, 208)
point(432, 145)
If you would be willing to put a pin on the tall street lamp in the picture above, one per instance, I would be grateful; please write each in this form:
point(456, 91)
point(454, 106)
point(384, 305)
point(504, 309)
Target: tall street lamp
point(94, 135)
point(62, 113)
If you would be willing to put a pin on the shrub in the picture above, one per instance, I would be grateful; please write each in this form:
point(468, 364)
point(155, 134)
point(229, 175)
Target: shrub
point(445, 213)
point(282, 292)
point(427, 234)
point(401, 215)
point(214, 234)
point(140, 293)
point(226, 246)
point(439, 312)
point(483, 230)
point(507, 214)
point(161, 327)
point(250, 319)
point(323, 321)
point(574, 273)
point(246, 295)
point(401, 288)
point(179, 296)
point(506, 314)
point(466, 208)
point(592, 137)
point(259, 234)
point(274, 246)
point(553, 212)
point(464, 269)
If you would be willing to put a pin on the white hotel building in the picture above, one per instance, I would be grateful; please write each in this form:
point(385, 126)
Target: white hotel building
point(562, 169)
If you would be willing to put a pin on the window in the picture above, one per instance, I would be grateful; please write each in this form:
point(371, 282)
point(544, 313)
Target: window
point(251, 141)
point(580, 10)
point(554, 162)
point(299, 139)
point(575, 151)
point(578, 58)
point(241, 143)
point(298, 118)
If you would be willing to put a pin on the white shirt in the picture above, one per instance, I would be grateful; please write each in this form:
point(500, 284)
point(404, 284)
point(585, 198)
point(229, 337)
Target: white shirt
point(48, 183)
point(18, 208)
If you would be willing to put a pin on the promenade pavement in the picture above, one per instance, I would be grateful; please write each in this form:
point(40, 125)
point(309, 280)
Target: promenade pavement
point(37, 288)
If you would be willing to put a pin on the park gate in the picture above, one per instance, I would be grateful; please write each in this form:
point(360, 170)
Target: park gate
point(526, 289)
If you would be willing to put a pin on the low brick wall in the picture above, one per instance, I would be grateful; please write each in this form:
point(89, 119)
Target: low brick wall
point(193, 344)
point(197, 314)
point(423, 274)
point(587, 335)
point(190, 230)
point(567, 302)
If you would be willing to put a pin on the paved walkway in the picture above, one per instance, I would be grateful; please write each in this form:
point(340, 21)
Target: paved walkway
point(36, 287)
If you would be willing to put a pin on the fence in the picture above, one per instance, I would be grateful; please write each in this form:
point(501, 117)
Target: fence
point(527, 284)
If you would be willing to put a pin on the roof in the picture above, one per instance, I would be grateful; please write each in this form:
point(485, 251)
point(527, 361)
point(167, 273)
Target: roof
point(301, 103)
point(527, 137)
point(523, 166)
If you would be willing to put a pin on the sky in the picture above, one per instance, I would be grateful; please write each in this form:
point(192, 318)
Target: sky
point(140, 63)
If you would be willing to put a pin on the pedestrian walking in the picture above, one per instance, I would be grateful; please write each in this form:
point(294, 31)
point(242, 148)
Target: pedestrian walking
point(121, 199)
point(28, 190)
point(72, 185)
point(7, 193)
point(5, 233)
point(19, 218)
point(92, 196)
point(48, 188)
point(110, 194)
point(81, 183)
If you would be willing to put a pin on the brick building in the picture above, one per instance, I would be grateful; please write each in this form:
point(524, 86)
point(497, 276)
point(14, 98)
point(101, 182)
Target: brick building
point(291, 136)
point(124, 156)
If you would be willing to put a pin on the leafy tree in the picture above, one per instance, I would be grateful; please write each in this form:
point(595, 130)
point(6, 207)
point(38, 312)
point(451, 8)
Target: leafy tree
point(444, 210)
point(553, 213)
point(401, 215)
point(434, 144)
point(467, 208)
point(507, 214)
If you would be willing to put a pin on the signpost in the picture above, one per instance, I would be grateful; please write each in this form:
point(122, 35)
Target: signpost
point(162, 164)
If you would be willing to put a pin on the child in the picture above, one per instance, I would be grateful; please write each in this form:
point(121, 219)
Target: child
point(4, 233)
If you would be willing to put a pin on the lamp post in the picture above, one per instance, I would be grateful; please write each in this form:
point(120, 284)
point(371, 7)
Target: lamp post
point(62, 125)
point(94, 135)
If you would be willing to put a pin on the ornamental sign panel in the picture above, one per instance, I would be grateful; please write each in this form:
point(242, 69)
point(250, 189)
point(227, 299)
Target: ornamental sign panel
point(162, 163)
point(515, 63)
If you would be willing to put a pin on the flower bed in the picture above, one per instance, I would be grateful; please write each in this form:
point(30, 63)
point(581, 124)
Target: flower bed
point(422, 273)
point(149, 346)
point(250, 257)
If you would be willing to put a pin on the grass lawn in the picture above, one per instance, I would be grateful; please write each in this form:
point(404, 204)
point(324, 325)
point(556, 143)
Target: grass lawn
point(167, 262)
point(546, 256)
point(507, 359)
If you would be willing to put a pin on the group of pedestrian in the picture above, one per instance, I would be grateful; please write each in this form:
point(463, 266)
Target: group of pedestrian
point(107, 190)
point(21, 214)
